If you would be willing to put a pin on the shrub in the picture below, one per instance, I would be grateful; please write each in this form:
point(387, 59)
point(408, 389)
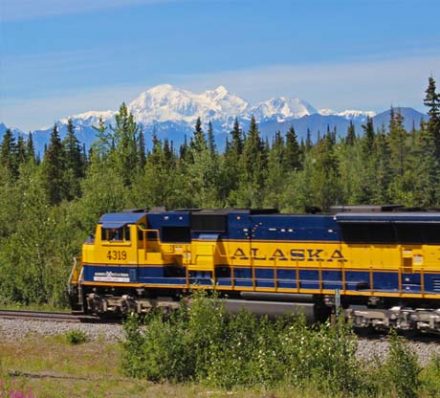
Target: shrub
point(76, 336)
point(204, 343)
point(430, 377)
point(402, 368)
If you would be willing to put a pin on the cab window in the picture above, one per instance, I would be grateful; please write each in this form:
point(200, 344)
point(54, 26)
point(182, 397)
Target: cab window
point(116, 234)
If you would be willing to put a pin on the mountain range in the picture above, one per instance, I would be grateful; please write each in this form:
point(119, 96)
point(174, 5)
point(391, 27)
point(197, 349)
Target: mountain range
point(171, 113)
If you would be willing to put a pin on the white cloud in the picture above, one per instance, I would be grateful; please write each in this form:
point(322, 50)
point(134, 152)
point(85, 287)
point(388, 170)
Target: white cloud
point(13, 10)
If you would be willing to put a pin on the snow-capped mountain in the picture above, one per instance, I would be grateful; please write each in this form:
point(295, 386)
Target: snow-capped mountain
point(282, 108)
point(166, 103)
point(171, 113)
point(349, 114)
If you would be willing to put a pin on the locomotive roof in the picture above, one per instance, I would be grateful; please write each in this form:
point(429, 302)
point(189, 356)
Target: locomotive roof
point(118, 220)
point(404, 217)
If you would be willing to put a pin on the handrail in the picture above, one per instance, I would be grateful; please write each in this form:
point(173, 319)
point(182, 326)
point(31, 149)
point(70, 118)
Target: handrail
point(73, 270)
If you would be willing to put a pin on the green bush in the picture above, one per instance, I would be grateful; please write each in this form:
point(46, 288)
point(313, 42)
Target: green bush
point(430, 378)
point(76, 336)
point(402, 368)
point(203, 343)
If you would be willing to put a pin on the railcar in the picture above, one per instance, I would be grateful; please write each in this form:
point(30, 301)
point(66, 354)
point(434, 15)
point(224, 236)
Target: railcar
point(381, 264)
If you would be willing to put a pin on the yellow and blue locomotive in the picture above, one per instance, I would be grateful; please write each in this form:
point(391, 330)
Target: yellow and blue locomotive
point(383, 264)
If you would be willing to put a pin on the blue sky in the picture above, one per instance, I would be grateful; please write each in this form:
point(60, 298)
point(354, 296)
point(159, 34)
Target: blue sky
point(61, 57)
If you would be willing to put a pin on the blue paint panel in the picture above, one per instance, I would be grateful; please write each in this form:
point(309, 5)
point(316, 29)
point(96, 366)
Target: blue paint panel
point(411, 278)
point(238, 225)
point(118, 220)
point(287, 284)
point(309, 275)
point(332, 275)
point(407, 287)
point(357, 280)
point(224, 281)
point(288, 227)
point(264, 273)
point(242, 225)
point(432, 283)
point(385, 281)
point(89, 271)
point(265, 283)
point(166, 281)
point(309, 284)
point(286, 274)
point(242, 273)
point(168, 219)
point(411, 282)
point(201, 281)
point(332, 285)
point(144, 272)
point(356, 285)
point(414, 217)
point(243, 282)
point(200, 274)
point(332, 280)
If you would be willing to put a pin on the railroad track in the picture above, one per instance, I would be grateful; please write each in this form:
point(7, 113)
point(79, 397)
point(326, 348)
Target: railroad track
point(47, 316)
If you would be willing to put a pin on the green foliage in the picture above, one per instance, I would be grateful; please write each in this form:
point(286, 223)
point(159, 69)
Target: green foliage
point(75, 337)
point(204, 343)
point(430, 378)
point(53, 171)
point(402, 368)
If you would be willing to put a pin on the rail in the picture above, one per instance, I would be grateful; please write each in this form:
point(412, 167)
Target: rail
point(47, 316)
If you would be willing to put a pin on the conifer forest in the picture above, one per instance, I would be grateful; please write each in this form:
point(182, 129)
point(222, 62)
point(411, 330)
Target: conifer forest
point(50, 204)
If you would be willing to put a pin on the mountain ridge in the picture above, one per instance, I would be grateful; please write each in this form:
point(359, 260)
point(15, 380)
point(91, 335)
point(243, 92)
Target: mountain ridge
point(171, 112)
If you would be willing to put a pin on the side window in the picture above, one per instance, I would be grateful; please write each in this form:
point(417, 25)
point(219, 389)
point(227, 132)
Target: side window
point(116, 234)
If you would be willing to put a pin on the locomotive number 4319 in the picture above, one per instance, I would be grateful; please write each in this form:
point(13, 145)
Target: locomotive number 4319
point(117, 255)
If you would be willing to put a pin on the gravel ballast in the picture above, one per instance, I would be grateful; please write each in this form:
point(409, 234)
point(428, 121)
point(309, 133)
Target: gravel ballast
point(15, 329)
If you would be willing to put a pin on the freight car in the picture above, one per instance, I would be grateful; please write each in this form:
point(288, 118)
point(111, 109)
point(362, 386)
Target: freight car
point(381, 264)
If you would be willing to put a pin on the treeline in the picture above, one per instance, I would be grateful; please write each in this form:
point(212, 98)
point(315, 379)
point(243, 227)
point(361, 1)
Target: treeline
point(49, 205)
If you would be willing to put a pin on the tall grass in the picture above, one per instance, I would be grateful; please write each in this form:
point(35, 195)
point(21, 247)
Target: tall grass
point(203, 343)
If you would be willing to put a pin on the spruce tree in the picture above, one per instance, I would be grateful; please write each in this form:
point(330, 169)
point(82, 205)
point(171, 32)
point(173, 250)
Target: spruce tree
point(254, 162)
point(141, 149)
point(383, 174)
point(74, 165)
point(426, 175)
point(236, 139)
point(368, 138)
point(325, 180)
point(8, 153)
point(397, 142)
point(293, 151)
point(72, 148)
point(21, 151)
point(30, 150)
point(276, 173)
point(211, 140)
point(198, 142)
point(183, 149)
point(432, 101)
point(308, 143)
point(351, 134)
point(54, 169)
point(104, 142)
point(126, 138)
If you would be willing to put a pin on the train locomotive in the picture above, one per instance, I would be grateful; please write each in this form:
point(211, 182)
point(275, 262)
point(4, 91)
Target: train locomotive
point(380, 263)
